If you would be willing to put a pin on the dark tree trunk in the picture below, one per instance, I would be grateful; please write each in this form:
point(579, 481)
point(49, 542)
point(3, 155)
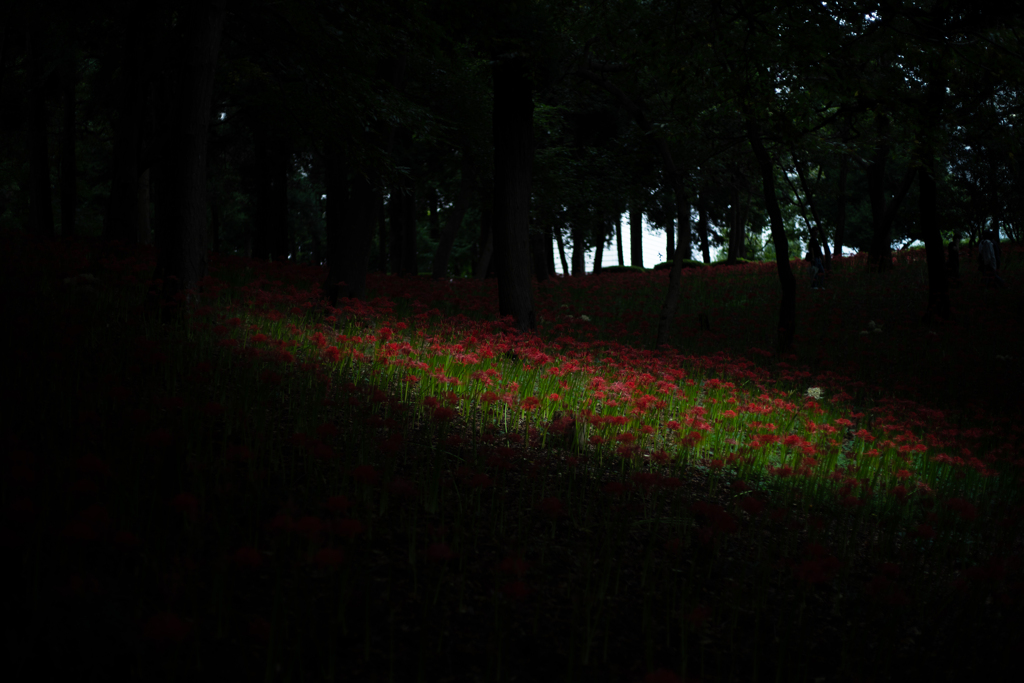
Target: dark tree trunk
point(938, 284)
point(618, 239)
point(40, 199)
point(883, 213)
point(402, 216)
point(453, 219)
point(483, 264)
point(787, 307)
point(382, 229)
point(432, 217)
point(636, 236)
point(410, 262)
point(270, 242)
point(812, 207)
point(561, 251)
point(702, 229)
point(737, 227)
point(599, 238)
point(540, 254)
point(549, 250)
point(337, 190)
point(145, 230)
point(121, 219)
point(358, 235)
point(68, 162)
point(181, 261)
point(578, 252)
point(670, 240)
point(513, 155)
point(837, 243)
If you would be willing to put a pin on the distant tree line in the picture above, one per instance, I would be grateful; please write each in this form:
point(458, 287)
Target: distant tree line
point(458, 138)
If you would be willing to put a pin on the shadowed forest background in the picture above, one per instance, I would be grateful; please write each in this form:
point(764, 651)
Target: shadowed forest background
point(315, 382)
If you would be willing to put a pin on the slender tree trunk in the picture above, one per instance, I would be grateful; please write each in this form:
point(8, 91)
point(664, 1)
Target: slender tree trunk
point(787, 307)
point(540, 254)
point(561, 251)
point(382, 229)
point(938, 284)
point(670, 240)
point(812, 208)
point(618, 239)
point(68, 161)
point(336, 187)
point(433, 219)
point(636, 236)
point(40, 199)
point(357, 233)
point(122, 208)
point(599, 237)
point(549, 249)
point(486, 226)
point(844, 166)
point(181, 262)
point(578, 251)
point(702, 229)
point(883, 212)
point(513, 155)
point(453, 219)
point(145, 234)
point(684, 241)
point(410, 261)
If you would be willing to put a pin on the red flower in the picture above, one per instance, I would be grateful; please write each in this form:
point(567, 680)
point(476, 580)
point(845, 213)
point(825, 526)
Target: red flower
point(332, 354)
point(329, 558)
point(444, 413)
point(348, 528)
point(516, 590)
point(552, 507)
point(165, 629)
point(530, 402)
point(247, 558)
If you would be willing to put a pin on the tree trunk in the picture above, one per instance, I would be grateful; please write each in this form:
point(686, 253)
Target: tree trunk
point(486, 226)
point(145, 230)
point(670, 240)
point(787, 307)
point(561, 251)
point(578, 251)
point(513, 155)
point(120, 221)
point(433, 219)
point(938, 284)
point(812, 208)
point(68, 162)
point(618, 239)
point(702, 229)
point(40, 199)
point(270, 242)
point(549, 249)
point(599, 237)
point(844, 165)
point(539, 254)
point(181, 262)
point(453, 219)
point(337, 190)
point(883, 213)
point(357, 232)
point(636, 236)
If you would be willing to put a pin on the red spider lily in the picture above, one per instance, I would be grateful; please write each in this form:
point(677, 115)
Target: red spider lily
point(443, 414)
point(739, 486)
point(332, 354)
point(751, 505)
point(348, 528)
point(924, 531)
point(660, 457)
point(529, 403)
point(247, 558)
point(513, 566)
point(338, 504)
point(554, 398)
point(365, 474)
point(699, 615)
point(551, 506)
point(187, 504)
point(673, 425)
point(516, 590)
point(329, 558)
point(403, 488)
point(309, 526)
point(439, 552)
point(662, 676)
point(963, 507)
point(488, 397)
point(430, 402)
point(166, 629)
point(384, 334)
